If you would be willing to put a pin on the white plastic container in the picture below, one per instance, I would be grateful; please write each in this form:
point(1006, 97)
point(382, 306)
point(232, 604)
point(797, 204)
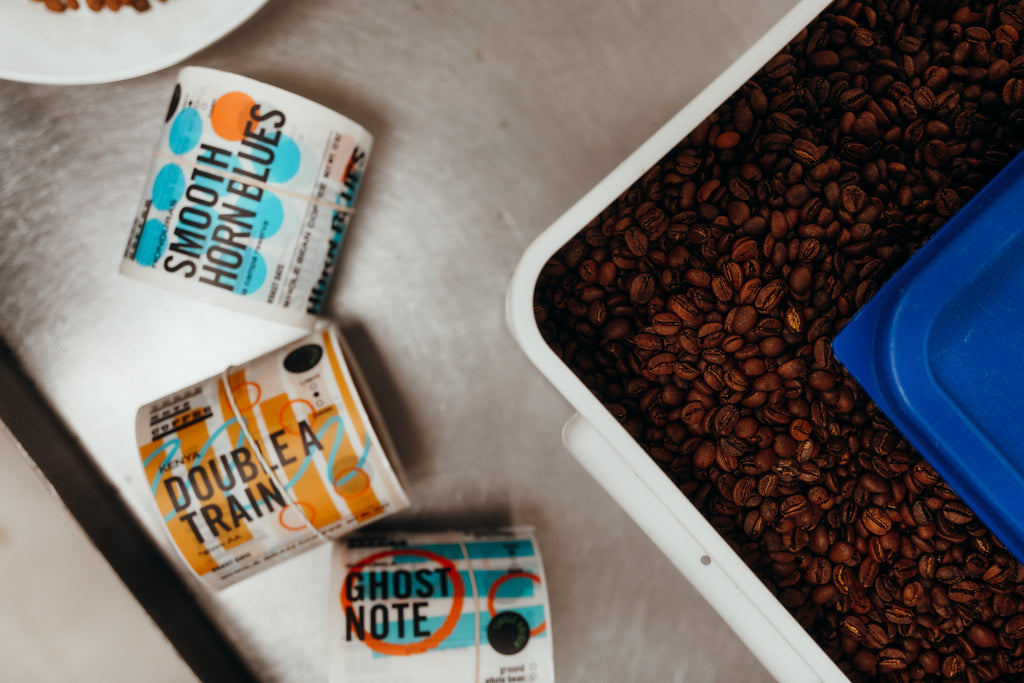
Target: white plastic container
point(616, 460)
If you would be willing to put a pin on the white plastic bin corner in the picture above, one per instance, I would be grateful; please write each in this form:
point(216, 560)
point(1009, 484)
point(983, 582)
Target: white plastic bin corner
point(616, 460)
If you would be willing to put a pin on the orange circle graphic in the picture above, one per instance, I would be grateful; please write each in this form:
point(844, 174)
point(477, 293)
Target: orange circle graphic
point(307, 510)
point(230, 114)
point(250, 401)
point(493, 593)
point(432, 641)
point(354, 487)
point(286, 425)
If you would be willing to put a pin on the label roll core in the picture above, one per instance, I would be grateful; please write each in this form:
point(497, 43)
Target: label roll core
point(248, 198)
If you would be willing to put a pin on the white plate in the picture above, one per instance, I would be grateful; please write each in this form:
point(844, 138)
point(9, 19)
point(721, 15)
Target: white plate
point(77, 47)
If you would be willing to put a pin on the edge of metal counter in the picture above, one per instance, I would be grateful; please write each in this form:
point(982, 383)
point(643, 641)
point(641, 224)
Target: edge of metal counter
point(99, 510)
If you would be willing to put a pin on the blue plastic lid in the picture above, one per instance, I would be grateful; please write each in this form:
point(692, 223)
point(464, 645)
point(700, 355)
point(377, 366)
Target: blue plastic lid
point(940, 349)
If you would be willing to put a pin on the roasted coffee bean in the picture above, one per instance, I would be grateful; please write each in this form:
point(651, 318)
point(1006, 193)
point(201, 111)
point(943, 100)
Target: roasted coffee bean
point(926, 566)
point(685, 371)
point(913, 593)
point(876, 521)
point(700, 307)
point(898, 614)
point(737, 381)
point(982, 635)
point(641, 289)
point(854, 627)
point(744, 249)
point(648, 342)
point(727, 140)
point(725, 419)
point(662, 364)
point(685, 309)
point(949, 573)
point(891, 659)
point(819, 572)
point(768, 485)
point(800, 429)
point(963, 591)
point(853, 198)
point(636, 241)
point(1013, 92)
point(793, 506)
point(769, 296)
point(616, 328)
point(843, 579)
point(1014, 628)
point(841, 551)
point(805, 151)
point(956, 512)
point(867, 573)
point(953, 666)
point(666, 323)
point(743, 491)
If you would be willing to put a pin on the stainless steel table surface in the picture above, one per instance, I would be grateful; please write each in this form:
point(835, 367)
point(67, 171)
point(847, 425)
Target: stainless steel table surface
point(491, 119)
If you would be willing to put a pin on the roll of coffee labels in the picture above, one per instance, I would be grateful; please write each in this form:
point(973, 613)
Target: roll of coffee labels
point(248, 198)
point(266, 460)
point(440, 607)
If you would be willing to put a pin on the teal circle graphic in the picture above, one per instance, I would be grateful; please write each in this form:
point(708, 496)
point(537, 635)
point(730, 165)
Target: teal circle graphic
point(168, 186)
point(287, 159)
point(185, 131)
point(269, 216)
point(152, 243)
point(252, 273)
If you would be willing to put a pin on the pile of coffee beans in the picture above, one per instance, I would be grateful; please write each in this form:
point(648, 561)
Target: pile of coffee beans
point(701, 304)
point(96, 5)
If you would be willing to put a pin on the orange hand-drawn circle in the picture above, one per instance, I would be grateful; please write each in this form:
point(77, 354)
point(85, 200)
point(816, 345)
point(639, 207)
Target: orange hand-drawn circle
point(432, 641)
point(493, 593)
point(280, 416)
point(307, 510)
point(360, 477)
point(250, 402)
point(230, 113)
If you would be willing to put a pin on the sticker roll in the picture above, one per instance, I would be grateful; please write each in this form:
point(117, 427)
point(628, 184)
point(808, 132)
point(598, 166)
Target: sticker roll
point(439, 607)
point(266, 460)
point(248, 198)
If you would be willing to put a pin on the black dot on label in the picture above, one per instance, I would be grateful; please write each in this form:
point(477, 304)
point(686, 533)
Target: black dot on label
point(303, 358)
point(508, 632)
